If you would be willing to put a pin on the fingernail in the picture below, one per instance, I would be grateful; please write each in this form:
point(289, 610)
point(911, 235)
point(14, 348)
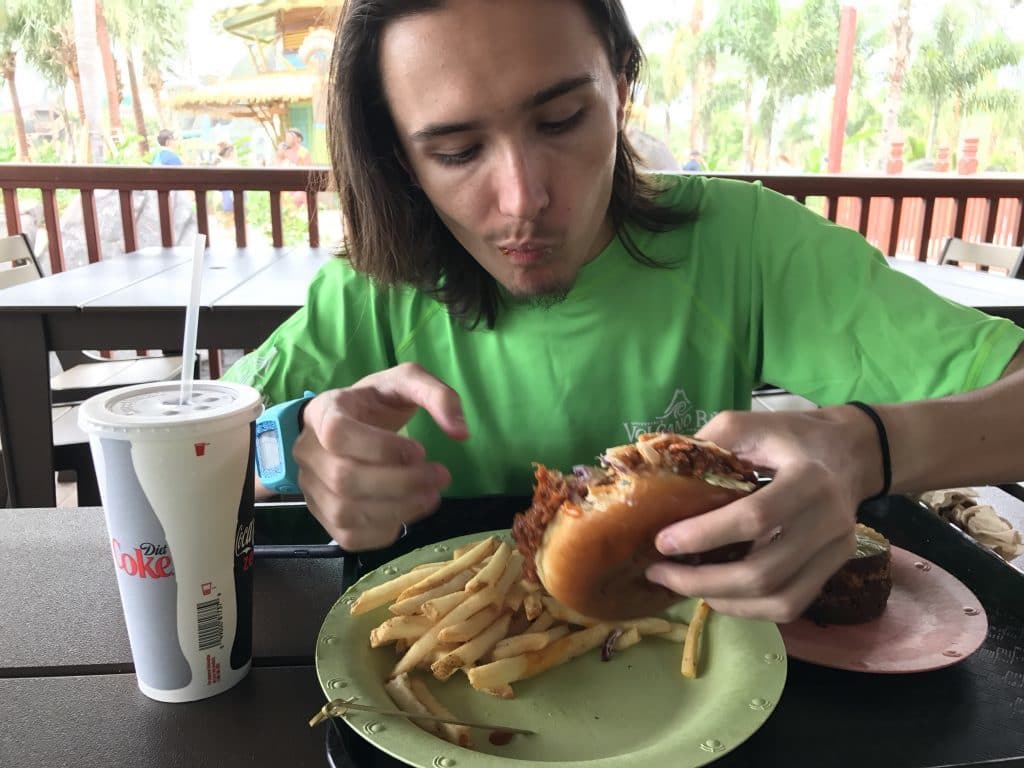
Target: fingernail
point(656, 575)
point(666, 544)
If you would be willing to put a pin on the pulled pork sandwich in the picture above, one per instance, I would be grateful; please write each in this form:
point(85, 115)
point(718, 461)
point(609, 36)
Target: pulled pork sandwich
point(589, 537)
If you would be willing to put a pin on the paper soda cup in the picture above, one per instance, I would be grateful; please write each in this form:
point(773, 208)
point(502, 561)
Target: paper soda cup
point(177, 488)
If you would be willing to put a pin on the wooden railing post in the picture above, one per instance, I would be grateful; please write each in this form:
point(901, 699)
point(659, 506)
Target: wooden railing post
point(881, 229)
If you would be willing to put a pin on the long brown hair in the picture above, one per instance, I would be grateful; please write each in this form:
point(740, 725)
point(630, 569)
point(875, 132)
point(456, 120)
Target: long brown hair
point(393, 233)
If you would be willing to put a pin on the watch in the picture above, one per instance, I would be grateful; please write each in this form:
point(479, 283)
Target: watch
point(276, 431)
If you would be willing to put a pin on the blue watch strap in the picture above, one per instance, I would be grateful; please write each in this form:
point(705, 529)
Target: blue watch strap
point(276, 431)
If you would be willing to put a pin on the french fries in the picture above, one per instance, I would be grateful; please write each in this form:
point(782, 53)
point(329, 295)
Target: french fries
point(411, 605)
point(402, 694)
point(477, 614)
point(491, 572)
point(389, 590)
point(467, 653)
point(456, 734)
point(504, 672)
point(691, 645)
point(456, 566)
point(471, 627)
point(399, 628)
point(426, 642)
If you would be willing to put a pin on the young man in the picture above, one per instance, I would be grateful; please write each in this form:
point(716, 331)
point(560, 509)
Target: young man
point(166, 155)
point(512, 291)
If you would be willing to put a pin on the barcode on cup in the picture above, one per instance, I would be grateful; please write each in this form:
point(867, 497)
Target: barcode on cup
point(210, 620)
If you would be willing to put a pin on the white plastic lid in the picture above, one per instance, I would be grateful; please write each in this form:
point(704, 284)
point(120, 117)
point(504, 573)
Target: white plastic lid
point(153, 409)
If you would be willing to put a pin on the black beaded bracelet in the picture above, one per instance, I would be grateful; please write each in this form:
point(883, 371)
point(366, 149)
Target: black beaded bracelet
point(883, 440)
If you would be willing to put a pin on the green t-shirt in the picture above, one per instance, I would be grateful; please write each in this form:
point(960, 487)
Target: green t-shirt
point(763, 290)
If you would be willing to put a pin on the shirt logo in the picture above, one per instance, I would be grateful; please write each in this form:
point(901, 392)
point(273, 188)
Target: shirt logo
point(679, 416)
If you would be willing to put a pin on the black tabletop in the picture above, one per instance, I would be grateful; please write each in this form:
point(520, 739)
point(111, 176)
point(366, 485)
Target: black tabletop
point(67, 695)
point(62, 612)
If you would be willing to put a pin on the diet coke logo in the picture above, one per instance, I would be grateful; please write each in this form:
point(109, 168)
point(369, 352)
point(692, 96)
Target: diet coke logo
point(146, 561)
point(244, 549)
point(244, 537)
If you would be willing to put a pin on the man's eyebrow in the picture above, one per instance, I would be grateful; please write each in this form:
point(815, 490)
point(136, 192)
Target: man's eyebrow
point(560, 88)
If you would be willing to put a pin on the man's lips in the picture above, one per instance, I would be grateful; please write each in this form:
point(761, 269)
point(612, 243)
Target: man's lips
point(525, 254)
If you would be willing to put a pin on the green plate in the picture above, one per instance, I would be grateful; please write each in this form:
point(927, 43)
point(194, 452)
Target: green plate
point(585, 712)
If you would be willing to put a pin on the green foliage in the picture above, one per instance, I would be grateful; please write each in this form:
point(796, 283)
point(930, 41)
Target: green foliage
point(46, 38)
point(913, 148)
point(951, 66)
point(126, 151)
point(790, 53)
point(46, 152)
point(294, 227)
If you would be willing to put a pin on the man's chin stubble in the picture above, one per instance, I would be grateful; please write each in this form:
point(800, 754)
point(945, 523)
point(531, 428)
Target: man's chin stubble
point(542, 300)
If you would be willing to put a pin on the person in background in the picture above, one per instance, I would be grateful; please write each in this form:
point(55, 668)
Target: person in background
point(291, 153)
point(226, 158)
point(695, 163)
point(166, 155)
point(513, 290)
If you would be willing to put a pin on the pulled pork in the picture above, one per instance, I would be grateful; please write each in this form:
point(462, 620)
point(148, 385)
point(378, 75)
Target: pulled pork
point(652, 452)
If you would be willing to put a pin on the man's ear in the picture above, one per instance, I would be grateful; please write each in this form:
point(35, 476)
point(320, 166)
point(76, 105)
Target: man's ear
point(622, 89)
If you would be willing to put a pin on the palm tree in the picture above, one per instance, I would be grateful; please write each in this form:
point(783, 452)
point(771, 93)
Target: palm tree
point(946, 68)
point(110, 74)
point(742, 28)
point(11, 30)
point(87, 48)
point(803, 55)
point(783, 54)
point(898, 63)
point(48, 42)
point(153, 29)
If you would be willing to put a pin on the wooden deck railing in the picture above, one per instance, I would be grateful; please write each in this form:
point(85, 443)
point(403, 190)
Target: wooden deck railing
point(903, 215)
point(87, 179)
point(910, 216)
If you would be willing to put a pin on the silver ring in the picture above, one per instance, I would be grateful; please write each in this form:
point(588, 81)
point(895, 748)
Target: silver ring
point(776, 535)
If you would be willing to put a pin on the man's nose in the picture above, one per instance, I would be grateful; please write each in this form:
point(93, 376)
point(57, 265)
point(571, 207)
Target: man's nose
point(522, 185)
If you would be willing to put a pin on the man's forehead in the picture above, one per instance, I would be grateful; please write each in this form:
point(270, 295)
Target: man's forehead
point(481, 55)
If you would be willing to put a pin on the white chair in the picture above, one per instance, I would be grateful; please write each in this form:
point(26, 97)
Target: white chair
point(1006, 258)
point(81, 375)
point(17, 264)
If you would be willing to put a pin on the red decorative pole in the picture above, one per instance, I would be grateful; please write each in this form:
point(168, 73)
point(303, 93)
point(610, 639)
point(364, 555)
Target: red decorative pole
point(843, 78)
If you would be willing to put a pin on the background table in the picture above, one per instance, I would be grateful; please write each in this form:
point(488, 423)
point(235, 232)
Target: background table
point(988, 291)
point(136, 301)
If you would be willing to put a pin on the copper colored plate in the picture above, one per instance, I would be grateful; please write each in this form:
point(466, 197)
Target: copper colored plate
point(931, 621)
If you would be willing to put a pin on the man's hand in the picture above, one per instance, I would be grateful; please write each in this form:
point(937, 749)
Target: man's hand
point(824, 463)
point(361, 480)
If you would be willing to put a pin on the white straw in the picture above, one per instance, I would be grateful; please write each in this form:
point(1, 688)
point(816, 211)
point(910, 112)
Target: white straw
point(192, 322)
